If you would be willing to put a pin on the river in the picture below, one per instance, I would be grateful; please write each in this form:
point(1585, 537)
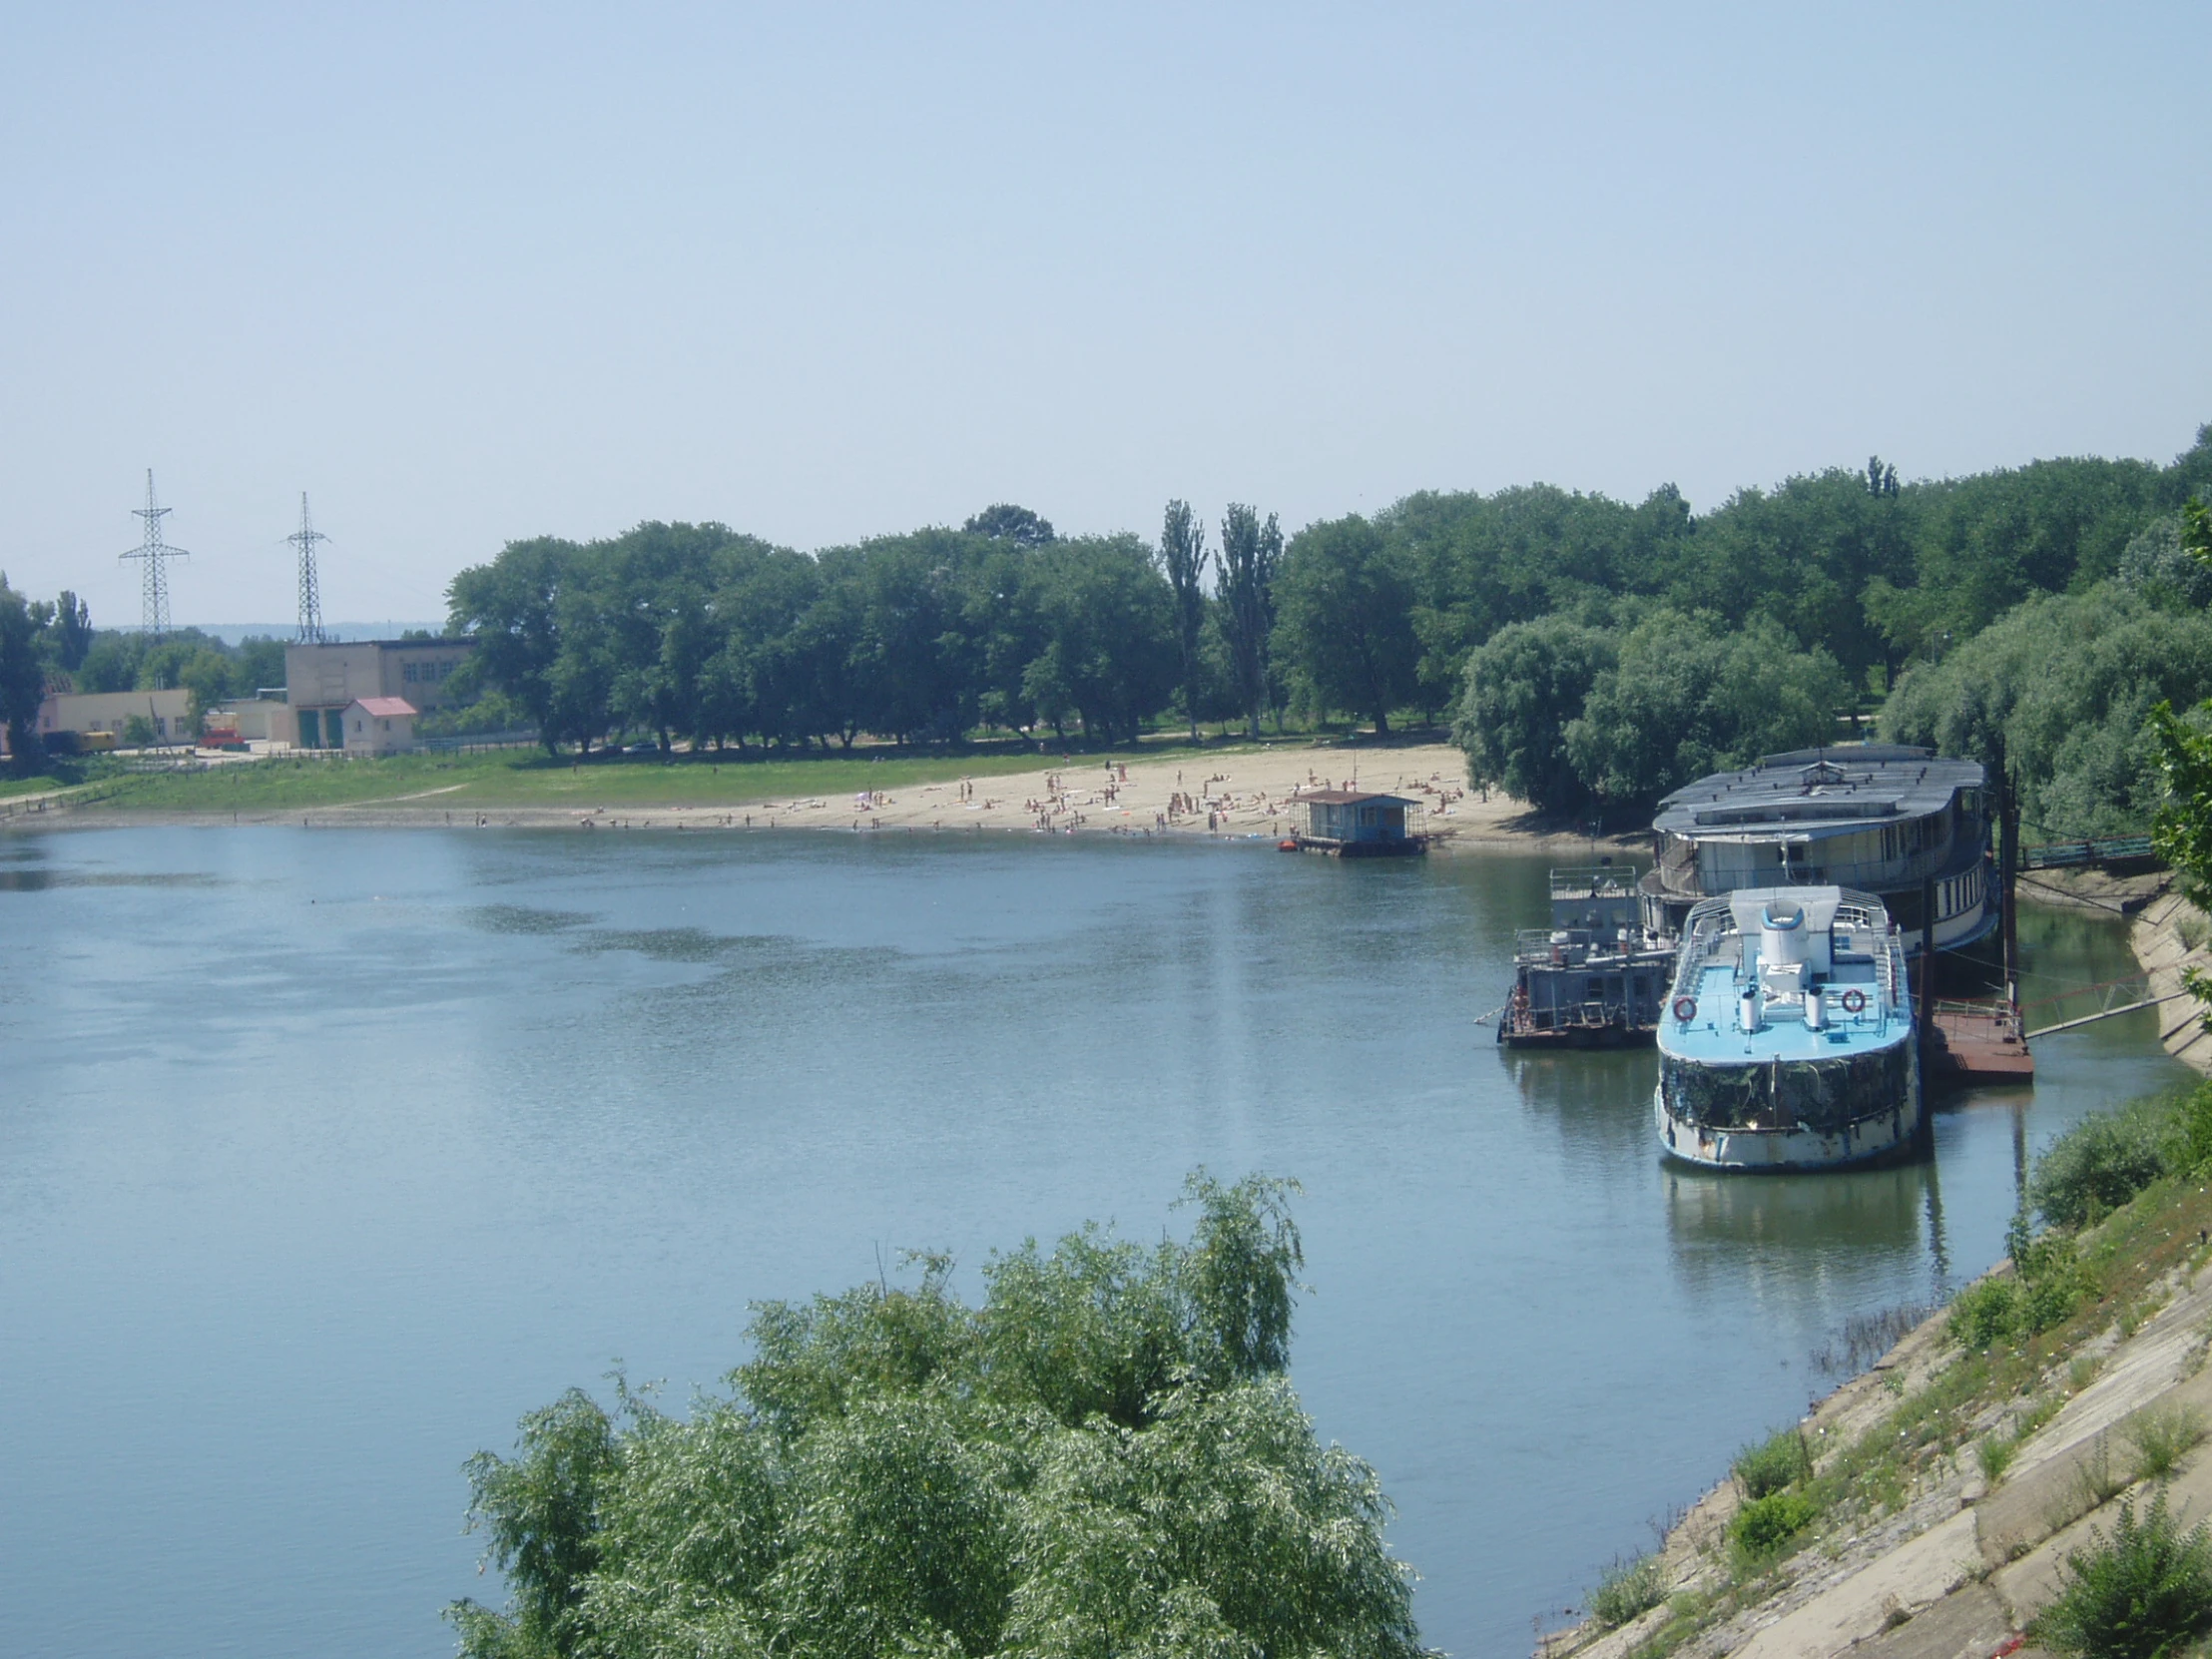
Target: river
point(326, 1154)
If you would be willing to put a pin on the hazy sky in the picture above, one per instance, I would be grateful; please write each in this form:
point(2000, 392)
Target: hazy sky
point(469, 274)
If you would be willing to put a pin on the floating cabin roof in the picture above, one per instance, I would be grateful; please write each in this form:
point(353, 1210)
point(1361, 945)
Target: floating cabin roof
point(1350, 798)
point(1817, 792)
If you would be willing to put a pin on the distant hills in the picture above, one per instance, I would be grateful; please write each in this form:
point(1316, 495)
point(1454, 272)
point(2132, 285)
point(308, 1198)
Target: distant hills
point(229, 633)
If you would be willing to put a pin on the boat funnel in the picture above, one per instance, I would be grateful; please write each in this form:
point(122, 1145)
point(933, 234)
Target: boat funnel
point(1782, 933)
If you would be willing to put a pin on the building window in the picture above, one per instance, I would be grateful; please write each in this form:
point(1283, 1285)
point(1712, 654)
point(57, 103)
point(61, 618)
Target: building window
point(409, 673)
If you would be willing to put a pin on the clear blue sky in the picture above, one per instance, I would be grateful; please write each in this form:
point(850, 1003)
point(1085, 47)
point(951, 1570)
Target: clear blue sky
point(469, 274)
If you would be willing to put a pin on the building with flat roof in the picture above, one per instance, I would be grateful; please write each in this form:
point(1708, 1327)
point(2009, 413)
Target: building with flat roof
point(168, 712)
point(323, 681)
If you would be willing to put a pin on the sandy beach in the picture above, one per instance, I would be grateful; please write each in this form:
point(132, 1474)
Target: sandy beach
point(1230, 795)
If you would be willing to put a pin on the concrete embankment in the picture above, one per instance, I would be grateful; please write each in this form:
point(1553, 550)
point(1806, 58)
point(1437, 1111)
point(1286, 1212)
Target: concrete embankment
point(1953, 1487)
point(1925, 1557)
point(2171, 938)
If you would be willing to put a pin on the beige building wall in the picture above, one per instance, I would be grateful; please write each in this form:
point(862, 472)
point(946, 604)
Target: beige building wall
point(169, 711)
point(367, 734)
point(333, 675)
point(259, 720)
point(321, 681)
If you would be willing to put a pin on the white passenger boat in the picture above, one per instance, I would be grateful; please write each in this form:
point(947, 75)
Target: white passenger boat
point(1787, 1044)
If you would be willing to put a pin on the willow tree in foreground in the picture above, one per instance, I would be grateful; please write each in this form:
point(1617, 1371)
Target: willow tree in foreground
point(1104, 1458)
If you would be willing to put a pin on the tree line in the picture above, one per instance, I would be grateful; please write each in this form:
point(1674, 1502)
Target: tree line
point(699, 633)
point(2035, 613)
point(1589, 653)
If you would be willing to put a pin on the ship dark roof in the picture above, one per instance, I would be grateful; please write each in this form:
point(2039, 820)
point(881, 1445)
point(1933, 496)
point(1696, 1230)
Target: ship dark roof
point(1348, 797)
point(1818, 791)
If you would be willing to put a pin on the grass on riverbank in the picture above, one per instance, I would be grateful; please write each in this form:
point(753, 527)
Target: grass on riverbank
point(1985, 1397)
point(531, 778)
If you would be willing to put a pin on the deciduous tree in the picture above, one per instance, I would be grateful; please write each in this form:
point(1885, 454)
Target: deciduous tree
point(1344, 619)
point(1105, 1458)
point(1183, 557)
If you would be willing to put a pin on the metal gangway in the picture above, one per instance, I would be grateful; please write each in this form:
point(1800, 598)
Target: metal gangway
point(2115, 997)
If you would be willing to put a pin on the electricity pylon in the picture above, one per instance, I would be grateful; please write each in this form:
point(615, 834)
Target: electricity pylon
point(311, 595)
point(155, 554)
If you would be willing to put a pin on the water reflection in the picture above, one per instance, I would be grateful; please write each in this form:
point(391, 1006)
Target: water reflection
point(416, 1130)
point(1596, 1098)
point(42, 880)
point(1776, 1223)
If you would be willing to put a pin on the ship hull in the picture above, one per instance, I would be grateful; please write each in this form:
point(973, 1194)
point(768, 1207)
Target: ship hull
point(1579, 1036)
point(1782, 1151)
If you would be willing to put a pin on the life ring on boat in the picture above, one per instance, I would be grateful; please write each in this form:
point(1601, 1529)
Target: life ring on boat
point(1853, 1000)
point(1685, 1008)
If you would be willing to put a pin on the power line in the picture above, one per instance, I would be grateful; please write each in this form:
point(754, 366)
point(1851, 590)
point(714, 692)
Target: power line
point(311, 595)
point(154, 555)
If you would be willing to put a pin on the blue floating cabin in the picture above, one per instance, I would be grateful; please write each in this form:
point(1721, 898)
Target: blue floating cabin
point(1356, 824)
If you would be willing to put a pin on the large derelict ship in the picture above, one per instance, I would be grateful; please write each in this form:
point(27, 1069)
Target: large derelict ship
point(1593, 979)
point(1901, 824)
point(1788, 1042)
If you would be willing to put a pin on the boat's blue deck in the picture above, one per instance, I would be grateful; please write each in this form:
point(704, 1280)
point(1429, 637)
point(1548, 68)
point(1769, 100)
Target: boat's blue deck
point(1714, 1036)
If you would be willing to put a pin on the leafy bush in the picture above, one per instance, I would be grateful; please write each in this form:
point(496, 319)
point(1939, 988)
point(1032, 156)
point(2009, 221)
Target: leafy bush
point(1763, 1528)
point(1995, 1454)
point(2190, 1146)
point(2099, 1164)
point(2052, 1295)
point(1627, 1589)
point(1776, 1461)
point(2162, 1438)
point(1108, 1445)
point(1985, 1313)
point(2142, 1594)
point(2049, 1280)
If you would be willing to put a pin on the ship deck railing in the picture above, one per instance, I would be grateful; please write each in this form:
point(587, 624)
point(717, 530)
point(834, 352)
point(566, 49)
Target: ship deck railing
point(1596, 881)
point(1711, 932)
point(2111, 849)
point(1533, 946)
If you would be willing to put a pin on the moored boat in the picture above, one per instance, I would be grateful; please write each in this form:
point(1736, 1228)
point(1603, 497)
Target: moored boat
point(1788, 1041)
point(1593, 979)
point(1905, 825)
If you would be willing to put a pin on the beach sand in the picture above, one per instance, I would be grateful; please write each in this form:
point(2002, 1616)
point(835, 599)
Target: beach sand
point(1223, 797)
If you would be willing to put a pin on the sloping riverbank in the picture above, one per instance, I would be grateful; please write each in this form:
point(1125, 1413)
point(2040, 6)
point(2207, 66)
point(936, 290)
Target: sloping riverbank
point(1948, 1485)
point(1942, 1492)
point(2171, 938)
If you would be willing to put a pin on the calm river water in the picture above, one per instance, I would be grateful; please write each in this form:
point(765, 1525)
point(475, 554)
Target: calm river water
point(324, 1155)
